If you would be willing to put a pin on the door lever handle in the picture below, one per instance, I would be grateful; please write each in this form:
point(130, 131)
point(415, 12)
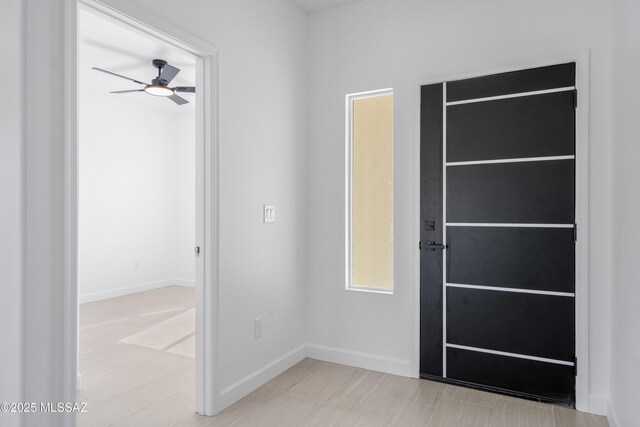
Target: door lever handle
point(432, 246)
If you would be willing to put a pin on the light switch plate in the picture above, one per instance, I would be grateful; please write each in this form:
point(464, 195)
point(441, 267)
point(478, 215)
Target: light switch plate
point(269, 213)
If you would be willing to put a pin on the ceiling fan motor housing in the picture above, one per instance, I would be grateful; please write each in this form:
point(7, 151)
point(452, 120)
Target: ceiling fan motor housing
point(159, 63)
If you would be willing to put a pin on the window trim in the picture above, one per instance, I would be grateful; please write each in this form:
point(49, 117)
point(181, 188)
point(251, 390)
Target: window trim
point(349, 286)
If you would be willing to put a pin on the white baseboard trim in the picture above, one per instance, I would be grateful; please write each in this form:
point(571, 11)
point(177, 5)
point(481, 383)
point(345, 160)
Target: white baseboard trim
point(118, 292)
point(188, 283)
point(612, 415)
point(598, 404)
point(236, 391)
point(361, 360)
point(246, 385)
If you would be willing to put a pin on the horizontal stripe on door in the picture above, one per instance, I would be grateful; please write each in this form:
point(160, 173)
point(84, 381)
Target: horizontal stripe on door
point(511, 95)
point(506, 224)
point(504, 353)
point(518, 160)
point(517, 290)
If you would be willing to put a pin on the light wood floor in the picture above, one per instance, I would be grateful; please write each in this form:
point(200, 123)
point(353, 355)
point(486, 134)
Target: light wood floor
point(130, 385)
point(127, 384)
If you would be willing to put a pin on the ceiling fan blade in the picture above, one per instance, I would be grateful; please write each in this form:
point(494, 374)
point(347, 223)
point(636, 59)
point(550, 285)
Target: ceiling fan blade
point(119, 75)
point(168, 73)
point(177, 99)
point(127, 91)
point(187, 89)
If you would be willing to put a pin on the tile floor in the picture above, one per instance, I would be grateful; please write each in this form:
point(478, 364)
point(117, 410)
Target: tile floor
point(133, 381)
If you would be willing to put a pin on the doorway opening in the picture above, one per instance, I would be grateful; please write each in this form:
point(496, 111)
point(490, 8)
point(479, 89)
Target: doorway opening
point(141, 223)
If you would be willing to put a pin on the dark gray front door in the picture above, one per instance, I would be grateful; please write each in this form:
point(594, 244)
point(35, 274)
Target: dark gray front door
point(498, 213)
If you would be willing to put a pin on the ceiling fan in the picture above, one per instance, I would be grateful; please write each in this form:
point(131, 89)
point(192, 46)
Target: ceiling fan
point(160, 85)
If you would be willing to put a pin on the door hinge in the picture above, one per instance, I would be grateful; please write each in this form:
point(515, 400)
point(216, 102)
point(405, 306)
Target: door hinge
point(575, 232)
point(420, 245)
point(196, 250)
point(575, 366)
point(575, 98)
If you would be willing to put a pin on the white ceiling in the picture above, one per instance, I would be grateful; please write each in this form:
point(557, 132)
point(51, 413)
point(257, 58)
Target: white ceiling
point(111, 46)
point(312, 6)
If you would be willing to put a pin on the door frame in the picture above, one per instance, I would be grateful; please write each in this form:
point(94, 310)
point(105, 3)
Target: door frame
point(581, 58)
point(207, 191)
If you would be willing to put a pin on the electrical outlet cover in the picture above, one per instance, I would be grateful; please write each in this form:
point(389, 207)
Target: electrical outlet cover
point(257, 327)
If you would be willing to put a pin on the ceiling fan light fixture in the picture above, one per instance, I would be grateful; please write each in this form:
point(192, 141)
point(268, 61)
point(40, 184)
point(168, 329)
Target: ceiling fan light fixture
point(159, 86)
point(158, 90)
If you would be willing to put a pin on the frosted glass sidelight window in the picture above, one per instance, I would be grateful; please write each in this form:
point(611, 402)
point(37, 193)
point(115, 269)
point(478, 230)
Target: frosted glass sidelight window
point(370, 191)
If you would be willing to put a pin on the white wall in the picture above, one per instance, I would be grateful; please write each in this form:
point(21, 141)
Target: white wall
point(625, 328)
point(262, 158)
point(137, 205)
point(398, 43)
point(11, 211)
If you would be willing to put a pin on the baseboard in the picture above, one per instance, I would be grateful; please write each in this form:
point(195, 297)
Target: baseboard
point(612, 416)
point(598, 404)
point(188, 283)
point(118, 292)
point(251, 382)
point(246, 385)
point(361, 360)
